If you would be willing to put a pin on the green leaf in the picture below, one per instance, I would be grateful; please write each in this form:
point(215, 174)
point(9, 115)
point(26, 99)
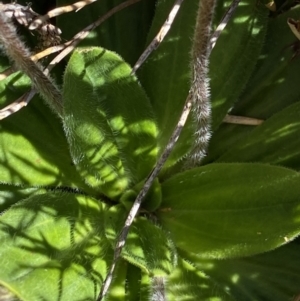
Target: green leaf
point(242, 38)
point(33, 147)
point(271, 88)
point(224, 138)
point(273, 85)
point(10, 194)
point(229, 210)
point(147, 246)
point(271, 276)
point(187, 283)
point(108, 121)
point(276, 141)
point(54, 248)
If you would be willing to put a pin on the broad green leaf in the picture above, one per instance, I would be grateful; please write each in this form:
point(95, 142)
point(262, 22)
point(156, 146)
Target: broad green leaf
point(273, 85)
point(108, 121)
point(10, 194)
point(276, 141)
point(271, 88)
point(124, 32)
point(55, 248)
point(33, 148)
point(271, 276)
point(187, 283)
point(242, 38)
point(184, 283)
point(229, 210)
point(147, 246)
point(224, 138)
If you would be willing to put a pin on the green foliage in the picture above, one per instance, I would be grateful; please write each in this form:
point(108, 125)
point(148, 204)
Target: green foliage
point(56, 239)
point(33, 148)
point(266, 276)
point(111, 131)
point(66, 186)
point(207, 203)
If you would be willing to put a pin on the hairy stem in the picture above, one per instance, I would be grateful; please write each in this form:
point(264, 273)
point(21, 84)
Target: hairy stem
point(20, 56)
point(158, 290)
point(200, 83)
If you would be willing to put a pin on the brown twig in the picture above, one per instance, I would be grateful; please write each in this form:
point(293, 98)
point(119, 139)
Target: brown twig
point(159, 37)
point(49, 51)
point(38, 21)
point(227, 16)
point(17, 105)
point(7, 72)
point(242, 120)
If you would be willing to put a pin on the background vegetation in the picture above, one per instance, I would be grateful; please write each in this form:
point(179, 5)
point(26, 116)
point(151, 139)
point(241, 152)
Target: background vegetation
point(224, 230)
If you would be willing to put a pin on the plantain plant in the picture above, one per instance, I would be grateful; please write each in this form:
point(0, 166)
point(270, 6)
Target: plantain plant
point(218, 222)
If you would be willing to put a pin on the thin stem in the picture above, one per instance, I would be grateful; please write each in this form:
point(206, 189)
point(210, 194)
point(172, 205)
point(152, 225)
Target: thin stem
point(17, 105)
point(158, 290)
point(7, 72)
point(242, 120)
point(38, 21)
point(227, 16)
point(159, 37)
point(20, 55)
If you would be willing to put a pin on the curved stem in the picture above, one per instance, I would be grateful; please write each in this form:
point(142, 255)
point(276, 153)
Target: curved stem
point(20, 55)
point(200, 82)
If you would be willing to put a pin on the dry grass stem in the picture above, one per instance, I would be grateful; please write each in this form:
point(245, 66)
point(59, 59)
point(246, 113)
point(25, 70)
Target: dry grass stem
point(38, 21)
point(159, 37)
point(242, 120)
point(227, 16)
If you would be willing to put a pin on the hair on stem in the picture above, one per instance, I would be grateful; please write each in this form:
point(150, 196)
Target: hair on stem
point(15, 49)
point(199, 91)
